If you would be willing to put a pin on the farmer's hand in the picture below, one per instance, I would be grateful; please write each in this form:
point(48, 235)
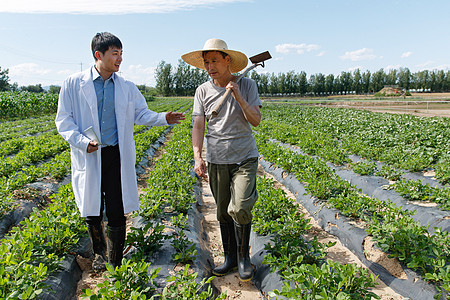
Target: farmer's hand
point(251, 112)
point(234, 89)
point(92, 147)
point(200, 168)
point(174, 117)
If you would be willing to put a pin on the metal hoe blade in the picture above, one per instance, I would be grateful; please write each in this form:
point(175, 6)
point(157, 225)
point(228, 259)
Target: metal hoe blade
point(260, 58)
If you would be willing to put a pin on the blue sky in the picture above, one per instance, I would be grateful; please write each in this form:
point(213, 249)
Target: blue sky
point(45, 41)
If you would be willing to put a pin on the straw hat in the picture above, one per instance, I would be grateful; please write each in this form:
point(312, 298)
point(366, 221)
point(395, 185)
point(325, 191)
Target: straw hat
point(238, 59)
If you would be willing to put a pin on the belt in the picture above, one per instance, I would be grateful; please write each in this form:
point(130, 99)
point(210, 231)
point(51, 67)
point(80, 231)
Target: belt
point(107, 147)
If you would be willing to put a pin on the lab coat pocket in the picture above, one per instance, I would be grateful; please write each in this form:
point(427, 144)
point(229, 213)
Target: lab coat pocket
point(78, 159)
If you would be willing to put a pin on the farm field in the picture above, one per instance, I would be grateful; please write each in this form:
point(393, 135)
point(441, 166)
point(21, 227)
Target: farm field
point(418, 104)
point(344, 196)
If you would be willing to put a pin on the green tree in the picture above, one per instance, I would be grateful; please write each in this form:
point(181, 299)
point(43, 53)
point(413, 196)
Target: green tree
point(4, 79)
point(164, 78)
point(392, 77)
point(446, 86)
point(302, 83)
point(378, 80)
point(366, 77)
point(282, 83)
point(329, 84)
point(14, 87)
point(33, 88)
point(357, 81)
point(422, 80)
point(440, 81)
point(346, 81)
point(317, 83)
point(290, 82)
point(257, 78)
point(54, 89)
point(338, 89)
point(404, 78)
point(264, 83)
point(274, 84)
point(181, 78)
point(196, 77)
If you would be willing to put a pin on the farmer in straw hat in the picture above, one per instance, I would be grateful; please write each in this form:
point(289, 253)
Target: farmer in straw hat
point(231, 154)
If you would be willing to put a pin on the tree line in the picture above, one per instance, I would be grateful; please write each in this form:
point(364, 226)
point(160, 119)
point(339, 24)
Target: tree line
point(183, 80)
point(37, 88)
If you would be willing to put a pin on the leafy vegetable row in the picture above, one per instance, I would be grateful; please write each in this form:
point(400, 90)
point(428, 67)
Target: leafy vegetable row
point(301, 263)
point(403, 141)
point(37, 150)
point(393, 228)
point(26, 127)
point(34, 250)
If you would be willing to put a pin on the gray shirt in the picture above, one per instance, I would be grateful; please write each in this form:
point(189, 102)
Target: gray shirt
point(229, 138)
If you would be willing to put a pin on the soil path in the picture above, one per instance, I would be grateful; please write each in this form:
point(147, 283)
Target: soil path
point(230, 283)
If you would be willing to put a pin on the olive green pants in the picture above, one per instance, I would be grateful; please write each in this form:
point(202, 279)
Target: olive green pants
point(234, 189)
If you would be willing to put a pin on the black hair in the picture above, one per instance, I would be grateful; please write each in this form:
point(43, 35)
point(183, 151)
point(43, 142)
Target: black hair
point(103, 41)
point(221, 52)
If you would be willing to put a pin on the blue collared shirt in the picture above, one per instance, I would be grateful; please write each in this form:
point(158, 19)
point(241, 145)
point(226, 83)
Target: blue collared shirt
point(104, 89)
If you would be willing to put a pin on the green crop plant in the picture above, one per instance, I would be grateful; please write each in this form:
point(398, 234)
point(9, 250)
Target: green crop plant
point(131, 280)
point(146, 240)
point(389, 173)
point(183, 285)
point(26, 104)
point(364, 167)
point(331, 280)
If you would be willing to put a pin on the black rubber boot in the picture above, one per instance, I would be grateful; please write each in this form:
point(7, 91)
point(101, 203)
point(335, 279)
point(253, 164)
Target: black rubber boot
point(98, 243)
point(116, 242)
point(229, 250)
point(245, 267)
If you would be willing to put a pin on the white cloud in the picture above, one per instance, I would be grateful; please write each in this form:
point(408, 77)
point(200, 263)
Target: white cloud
point(406, 54)
point(29, 73)
point(355, 68)
point(426, 65)
point(140, 74)
point(431, 65)
point(65, 72)
point(321, 54)
point(392, 67)
point(28, 69)
point(106, 6)
point(445, 67)
point(299, 48)
point(357, 55)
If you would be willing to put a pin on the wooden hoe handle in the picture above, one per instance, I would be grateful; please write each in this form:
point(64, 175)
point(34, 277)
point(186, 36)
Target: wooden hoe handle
point(219, 104)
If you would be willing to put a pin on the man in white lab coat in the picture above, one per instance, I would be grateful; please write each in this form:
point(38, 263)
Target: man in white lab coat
point(103, 163)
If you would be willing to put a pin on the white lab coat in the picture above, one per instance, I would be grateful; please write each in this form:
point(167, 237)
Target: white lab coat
point(77, 110)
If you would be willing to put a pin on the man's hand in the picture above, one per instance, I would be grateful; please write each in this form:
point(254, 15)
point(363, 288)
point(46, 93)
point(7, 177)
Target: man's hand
point(251, 113)
point(174, 117)
point(234, 87)
point(200, 168)
point(92, 147)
